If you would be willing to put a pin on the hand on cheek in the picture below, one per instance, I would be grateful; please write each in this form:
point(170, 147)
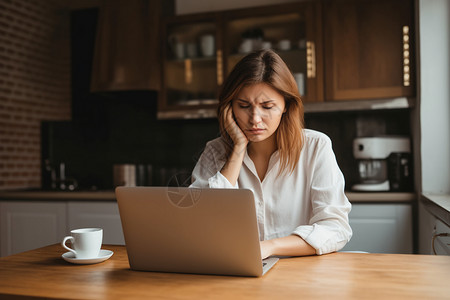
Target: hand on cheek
point(232, 128)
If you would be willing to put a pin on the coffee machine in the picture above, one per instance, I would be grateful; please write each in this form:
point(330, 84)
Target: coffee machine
point(384, 164)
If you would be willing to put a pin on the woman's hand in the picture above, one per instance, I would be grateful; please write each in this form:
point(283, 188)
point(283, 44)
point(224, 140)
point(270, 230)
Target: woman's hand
point(240, 141)
point(266, 248)
point(291, 245)
point(233, 165)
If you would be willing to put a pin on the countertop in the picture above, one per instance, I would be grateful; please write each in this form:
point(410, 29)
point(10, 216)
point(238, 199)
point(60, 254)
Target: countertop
point(438, 205)
point(42, 273)
point(110, 196)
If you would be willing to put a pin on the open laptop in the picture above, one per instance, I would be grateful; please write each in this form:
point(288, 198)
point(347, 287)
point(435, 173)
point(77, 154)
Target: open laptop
point(191, 230)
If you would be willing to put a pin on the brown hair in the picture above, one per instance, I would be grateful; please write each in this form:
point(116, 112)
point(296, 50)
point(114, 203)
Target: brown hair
point(265, 66)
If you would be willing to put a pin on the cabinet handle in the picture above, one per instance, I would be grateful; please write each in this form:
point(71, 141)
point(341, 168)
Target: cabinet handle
point(188, 71)
point(219, 67)
point(310, 59)
point(406, 57)
point(434, 237)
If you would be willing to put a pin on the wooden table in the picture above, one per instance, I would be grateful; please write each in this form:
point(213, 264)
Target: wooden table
point(43, 273)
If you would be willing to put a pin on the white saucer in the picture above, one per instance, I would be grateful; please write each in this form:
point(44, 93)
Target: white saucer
point(102, 256)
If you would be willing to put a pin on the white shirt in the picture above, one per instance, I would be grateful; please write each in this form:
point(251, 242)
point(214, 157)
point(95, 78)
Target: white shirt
point(310, 202)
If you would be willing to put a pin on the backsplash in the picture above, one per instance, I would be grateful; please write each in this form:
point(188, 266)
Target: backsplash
point(131, 134)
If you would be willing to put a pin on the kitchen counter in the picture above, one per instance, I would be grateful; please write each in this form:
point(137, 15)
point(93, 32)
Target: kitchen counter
point(57, 195)
point(438, 205)
point(354, 197)
point(43, 273)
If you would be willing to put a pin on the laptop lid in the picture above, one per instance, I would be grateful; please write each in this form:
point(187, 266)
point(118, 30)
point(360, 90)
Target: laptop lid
point(191, 230)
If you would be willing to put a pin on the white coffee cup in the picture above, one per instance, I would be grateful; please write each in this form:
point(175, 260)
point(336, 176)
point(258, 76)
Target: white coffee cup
point(284, 45)
point(179, 50)
point(300, 80)
point(85, 241)
point(207, 45)
point(266, 45)
point(246, 46)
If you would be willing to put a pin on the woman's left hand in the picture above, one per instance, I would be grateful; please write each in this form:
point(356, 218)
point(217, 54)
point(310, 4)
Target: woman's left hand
point(291, 245)
point(266, 248)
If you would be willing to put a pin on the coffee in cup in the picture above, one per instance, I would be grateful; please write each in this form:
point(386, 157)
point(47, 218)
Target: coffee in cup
point(86, 242)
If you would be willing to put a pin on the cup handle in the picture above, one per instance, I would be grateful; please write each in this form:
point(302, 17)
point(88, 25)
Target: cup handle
point(64, 244)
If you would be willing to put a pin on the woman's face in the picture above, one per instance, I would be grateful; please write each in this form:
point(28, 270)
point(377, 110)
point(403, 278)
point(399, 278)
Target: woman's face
point(258, 109)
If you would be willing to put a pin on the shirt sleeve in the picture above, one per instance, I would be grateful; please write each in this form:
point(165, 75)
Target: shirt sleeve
point(329, 229)
point(206, 173)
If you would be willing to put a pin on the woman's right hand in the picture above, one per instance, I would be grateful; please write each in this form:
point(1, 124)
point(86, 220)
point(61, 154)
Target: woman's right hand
point(240, 141)
point(233, 165)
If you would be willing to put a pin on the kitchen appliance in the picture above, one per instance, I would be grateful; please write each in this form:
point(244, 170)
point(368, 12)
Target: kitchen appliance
point(384, 163)
point(132, 175)
point(124, 175)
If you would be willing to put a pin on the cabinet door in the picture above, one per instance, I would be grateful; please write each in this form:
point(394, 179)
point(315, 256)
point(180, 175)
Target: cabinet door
point(381, 228)
point(26, 225)
point(292, 30)
point(102, 214)
point(441, 241)
point(127, 53)
point(368, 49)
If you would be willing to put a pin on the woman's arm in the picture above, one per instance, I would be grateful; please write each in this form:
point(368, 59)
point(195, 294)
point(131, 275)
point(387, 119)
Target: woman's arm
point(328, 229)
point(292, 245)
point(233, 165)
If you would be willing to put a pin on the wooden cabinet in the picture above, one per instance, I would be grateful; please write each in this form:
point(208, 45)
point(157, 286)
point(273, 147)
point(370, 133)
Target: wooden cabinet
point(381, 228)
point(103, 214)
point(201, 49)
point(127, 50)
point(369, 49)
point(26, 225)
point(293, 30)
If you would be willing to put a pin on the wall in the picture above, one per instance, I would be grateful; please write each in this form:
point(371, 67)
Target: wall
point(435, 95)
point(34, 84)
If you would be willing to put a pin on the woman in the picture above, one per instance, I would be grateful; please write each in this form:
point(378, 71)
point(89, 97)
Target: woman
point(293, 173)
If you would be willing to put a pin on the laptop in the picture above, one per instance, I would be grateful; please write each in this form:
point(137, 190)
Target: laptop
point(191, 230)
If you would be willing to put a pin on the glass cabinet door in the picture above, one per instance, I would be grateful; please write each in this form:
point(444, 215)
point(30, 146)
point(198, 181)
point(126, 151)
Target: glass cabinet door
point(190, 65)
point(289, 30)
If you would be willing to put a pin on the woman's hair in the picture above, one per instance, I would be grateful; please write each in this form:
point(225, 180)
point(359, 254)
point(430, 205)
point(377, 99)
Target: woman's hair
point(265, 66)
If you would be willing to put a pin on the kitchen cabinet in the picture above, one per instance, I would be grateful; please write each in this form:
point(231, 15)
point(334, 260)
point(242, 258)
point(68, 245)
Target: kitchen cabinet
point(26, 225)
point(381, 228)
point(434, 232)
point(127, 50)
point(201, 49)
point(103, 214)
point(369, 49)
point(441, 238)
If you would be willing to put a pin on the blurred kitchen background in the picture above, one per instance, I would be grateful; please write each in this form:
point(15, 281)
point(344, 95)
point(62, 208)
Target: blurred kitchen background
point(89, 86)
